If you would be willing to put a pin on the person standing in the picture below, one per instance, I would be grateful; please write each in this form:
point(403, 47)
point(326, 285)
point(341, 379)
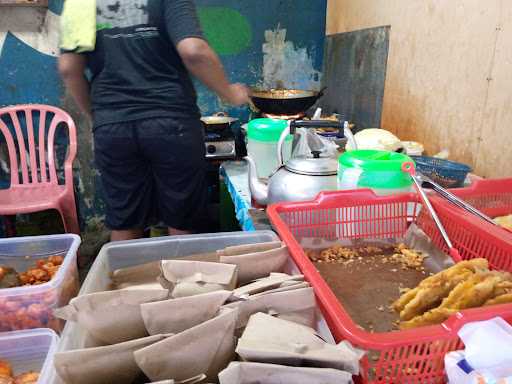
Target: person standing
point(148, 136)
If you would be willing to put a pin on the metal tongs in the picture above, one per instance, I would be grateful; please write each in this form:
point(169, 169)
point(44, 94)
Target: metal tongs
point(409, 168)
point(453, 199)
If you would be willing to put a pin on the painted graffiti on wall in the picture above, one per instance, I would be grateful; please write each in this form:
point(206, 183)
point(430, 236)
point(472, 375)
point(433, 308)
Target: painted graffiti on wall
point(28, 56)
point(287, 66)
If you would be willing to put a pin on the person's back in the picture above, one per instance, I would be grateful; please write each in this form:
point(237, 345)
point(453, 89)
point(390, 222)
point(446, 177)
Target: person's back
point(148, 139)
point(136, 70)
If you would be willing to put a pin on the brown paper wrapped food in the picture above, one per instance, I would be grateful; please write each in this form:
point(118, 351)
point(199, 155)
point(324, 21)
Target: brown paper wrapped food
point(249, 248)
point(204, 349)
point(284, 287)
point(188, 278)
point(178, 315)
point(138, 277)
point(298, 306)
point(267, 339)
point(250, 373)
point(193, 380)
point(102, 365)
point(273, 281)
point(112, 317)
point(256, 261)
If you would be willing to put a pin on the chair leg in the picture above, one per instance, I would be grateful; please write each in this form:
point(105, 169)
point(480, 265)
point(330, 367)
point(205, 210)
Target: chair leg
point(70, 220)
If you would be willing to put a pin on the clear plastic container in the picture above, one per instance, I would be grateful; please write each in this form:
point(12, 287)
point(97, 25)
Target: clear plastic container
point(130, 253)
point(30, 307)
point(30, 350)
point(262, 138)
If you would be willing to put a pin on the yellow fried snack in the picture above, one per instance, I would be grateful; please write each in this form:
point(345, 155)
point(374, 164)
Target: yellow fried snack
point(432, 317)
point(474, 292)
point(431, 296)
point(504, 287)
point(400, 304)
point(501, 299)
point(504, 221)
point(438, 280)
point(479, 289)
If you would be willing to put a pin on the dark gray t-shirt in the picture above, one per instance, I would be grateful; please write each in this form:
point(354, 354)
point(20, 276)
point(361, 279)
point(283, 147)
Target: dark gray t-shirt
point(136, 70)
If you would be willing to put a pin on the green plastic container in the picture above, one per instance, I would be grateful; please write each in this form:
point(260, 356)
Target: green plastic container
point(377, 170)
point(262, 138)
point(266, 130)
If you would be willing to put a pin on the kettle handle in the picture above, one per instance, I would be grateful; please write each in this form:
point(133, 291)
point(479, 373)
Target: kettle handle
point(280, 144)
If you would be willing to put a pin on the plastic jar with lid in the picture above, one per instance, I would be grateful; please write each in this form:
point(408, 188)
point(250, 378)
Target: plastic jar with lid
point(380, 171)
point(262, 138)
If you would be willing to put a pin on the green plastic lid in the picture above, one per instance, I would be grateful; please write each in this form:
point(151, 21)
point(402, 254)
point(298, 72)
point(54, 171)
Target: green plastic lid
point(268, 130)
point(379, 169)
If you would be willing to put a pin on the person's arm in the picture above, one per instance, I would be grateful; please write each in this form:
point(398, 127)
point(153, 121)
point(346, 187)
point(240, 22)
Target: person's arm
point(201, 61)
point(72, 68)
point(204, 64)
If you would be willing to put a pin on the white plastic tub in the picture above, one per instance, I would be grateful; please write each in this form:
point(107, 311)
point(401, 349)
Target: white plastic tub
point(136, 252)
point(30, 350)
point(262, 139)
point(29, 307)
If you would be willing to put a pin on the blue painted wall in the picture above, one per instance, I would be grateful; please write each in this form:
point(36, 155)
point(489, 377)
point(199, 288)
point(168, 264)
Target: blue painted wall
point(29, 75)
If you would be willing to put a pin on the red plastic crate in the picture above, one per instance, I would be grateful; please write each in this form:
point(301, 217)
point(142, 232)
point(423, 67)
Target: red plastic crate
point(492, 197)
point(411, 356)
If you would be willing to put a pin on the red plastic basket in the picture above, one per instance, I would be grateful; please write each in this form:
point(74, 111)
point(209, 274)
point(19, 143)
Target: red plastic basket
point(492, 197)
point(411, 356)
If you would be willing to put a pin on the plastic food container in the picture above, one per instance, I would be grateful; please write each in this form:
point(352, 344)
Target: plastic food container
point(30, 307)
point(380, 171)
point(409, 356)
point(130, 253)
point(30, 350)
point(262, 138)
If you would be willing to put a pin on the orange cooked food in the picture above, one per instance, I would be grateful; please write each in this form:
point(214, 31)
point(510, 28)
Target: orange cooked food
point(5, 368)
point(43, 272)
point(27, 378)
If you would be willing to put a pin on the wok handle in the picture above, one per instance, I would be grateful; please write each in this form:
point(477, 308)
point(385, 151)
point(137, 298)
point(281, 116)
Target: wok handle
point(321, 93)
point(315, 124)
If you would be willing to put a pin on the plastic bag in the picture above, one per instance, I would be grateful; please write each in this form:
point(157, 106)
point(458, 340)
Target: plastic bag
point(308, 141)
point(488, 355)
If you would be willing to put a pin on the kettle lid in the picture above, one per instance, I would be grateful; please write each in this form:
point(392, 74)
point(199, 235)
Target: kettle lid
point(315, 164)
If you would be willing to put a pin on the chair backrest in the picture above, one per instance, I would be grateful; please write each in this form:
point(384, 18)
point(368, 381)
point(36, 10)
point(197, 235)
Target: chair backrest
point(41, 149)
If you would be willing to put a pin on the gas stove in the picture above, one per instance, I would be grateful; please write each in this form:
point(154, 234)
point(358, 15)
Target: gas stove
point(220, 145)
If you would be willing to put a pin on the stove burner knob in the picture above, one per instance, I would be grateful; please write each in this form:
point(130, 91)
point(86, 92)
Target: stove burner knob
point(211, 149)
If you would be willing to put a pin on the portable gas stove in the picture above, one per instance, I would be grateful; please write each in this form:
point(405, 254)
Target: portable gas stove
point(219, 137)
point(220, 146)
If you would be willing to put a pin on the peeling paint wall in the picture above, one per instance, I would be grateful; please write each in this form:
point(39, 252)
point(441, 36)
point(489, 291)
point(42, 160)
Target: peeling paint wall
point(235, 29)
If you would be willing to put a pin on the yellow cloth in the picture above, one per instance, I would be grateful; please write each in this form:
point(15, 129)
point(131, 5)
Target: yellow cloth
point(78, 26)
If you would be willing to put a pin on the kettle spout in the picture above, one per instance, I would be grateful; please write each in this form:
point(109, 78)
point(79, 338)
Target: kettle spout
point(259, 190)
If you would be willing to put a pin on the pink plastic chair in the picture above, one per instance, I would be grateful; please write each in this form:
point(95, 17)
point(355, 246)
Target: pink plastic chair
point(39, 187)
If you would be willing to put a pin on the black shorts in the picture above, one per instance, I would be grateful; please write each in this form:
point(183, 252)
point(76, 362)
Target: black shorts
point(153, 170)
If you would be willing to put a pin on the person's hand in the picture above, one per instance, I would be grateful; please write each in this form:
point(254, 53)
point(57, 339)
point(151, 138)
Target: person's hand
point(237, 95)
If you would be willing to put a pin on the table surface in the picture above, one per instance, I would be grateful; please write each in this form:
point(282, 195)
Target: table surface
point(235, 174)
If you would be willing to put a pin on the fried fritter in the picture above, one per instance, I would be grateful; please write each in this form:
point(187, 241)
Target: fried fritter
point(474, 292)
point(432, 317)
point(502, 299)
point(442, 283)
